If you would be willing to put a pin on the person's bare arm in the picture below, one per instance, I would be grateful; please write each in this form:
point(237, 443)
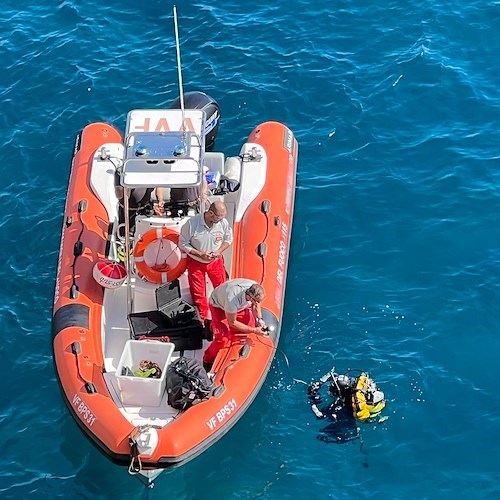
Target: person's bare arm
point(239, 326)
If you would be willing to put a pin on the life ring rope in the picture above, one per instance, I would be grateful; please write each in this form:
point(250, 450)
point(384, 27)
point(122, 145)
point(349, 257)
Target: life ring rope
point(158, 274)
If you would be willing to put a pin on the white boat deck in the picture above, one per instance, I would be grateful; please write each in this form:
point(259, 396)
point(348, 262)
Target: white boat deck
point(115, 334)
point(115, 325)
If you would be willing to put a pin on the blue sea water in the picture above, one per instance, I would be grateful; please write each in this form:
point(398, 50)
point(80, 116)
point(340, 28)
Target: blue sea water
point(394, 264)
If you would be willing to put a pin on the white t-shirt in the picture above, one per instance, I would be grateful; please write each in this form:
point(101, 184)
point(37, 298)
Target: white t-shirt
point(196, 234)
point(230, 296)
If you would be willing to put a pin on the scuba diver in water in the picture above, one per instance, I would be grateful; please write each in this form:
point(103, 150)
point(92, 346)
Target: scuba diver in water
point(354, 399)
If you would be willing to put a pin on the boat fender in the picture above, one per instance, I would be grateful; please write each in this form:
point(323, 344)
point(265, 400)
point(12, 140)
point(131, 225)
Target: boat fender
point(109, 273)
point(158, 275)
point(232, 168)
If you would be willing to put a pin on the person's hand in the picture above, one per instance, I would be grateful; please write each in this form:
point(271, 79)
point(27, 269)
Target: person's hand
point(208, 256)
point(159, 207)
point(260, 323)
point(259, 330)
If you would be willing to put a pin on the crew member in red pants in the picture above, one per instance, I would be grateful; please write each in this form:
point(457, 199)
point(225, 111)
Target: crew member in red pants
point(204, 237)
point(235, 307)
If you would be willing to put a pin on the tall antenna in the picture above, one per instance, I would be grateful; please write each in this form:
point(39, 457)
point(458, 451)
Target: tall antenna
point(179, 72)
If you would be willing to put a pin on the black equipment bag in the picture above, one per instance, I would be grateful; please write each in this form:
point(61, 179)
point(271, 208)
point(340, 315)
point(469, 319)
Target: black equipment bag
point(187, 383)
point(152, 324)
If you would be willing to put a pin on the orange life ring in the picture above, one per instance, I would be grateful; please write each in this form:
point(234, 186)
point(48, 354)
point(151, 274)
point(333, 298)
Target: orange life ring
point(154, 275)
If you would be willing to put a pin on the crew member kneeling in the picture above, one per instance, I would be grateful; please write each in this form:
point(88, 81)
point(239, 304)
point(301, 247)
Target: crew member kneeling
point(235, 308)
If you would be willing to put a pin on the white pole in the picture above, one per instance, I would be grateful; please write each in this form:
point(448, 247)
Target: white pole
point(179, 72)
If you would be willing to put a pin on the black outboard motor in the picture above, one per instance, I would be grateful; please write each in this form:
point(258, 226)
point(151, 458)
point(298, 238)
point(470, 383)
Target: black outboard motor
point(200, 100)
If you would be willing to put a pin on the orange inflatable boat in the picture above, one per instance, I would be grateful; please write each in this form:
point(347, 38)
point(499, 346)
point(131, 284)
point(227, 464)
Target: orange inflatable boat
point(115, 305)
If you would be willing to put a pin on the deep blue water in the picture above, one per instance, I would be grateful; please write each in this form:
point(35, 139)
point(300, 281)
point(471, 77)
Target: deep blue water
point(395, 260)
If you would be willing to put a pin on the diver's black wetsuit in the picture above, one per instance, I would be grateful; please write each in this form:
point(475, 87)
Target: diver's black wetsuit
point(342, 426)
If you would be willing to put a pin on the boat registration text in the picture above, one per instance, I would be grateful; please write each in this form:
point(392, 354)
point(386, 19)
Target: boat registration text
point(86, 415)
point(222, 414)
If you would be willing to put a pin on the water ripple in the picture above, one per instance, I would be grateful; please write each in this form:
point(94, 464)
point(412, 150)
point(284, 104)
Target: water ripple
point(394, 260)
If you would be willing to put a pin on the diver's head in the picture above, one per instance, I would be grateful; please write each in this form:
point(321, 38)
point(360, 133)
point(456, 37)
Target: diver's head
point(340, 386)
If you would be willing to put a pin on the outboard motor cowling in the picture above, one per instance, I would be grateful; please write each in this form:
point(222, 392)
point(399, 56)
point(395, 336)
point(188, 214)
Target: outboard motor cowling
point(200, 100)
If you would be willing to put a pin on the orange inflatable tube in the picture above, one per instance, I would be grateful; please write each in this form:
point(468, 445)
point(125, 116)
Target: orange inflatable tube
point(261, 245)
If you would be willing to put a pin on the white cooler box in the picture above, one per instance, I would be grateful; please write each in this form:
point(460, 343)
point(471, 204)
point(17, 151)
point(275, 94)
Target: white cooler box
point(139, 391)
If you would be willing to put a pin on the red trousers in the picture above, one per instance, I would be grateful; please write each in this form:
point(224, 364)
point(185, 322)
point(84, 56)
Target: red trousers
point(223, 335)
point(197, 272)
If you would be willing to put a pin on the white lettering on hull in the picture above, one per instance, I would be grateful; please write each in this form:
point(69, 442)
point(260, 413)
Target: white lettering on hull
point(84, 411)
point(280, 273)
point(222, 414)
